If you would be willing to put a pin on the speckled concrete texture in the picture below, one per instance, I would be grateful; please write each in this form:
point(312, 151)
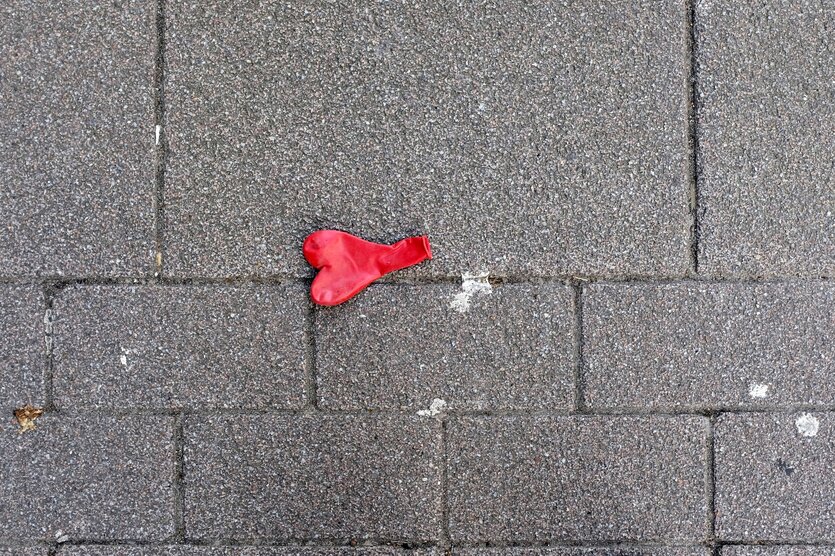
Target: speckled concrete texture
point(709, 346)
point(23, 551)
point(88, 477)
point(23, 339)
point(77, 163)
point(401, 347)
point(543, 479)
point(308, 476)
point(619, 550)
point(785, 550)
point(174, 550)
point(522, 137)
point(766, 94)
point(621, 347)
point(162, 347)
point(774, 476)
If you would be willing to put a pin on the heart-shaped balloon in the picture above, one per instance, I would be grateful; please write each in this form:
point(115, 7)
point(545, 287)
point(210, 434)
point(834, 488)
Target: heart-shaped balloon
point(347, 264)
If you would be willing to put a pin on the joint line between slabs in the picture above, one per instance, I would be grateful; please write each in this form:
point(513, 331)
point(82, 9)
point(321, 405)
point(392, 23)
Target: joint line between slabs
point(49, 293)
point(302, 543)
point(311, 380)
point(160, 143)
point(446, 539)
point(501, 281)
point(710, 471)
point(579, 367)
point(178, 484)
point(449, 415)
point(693, 139)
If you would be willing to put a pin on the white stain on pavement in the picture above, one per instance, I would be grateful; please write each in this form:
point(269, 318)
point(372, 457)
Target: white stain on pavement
point(436, 407)
point(47, 327)
point(758, 390)
point(123, 359)
point(471, 284)
point(807, 425)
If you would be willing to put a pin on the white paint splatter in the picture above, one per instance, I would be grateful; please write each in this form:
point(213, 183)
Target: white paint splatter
point(436, 407)
point(47, 326)
point(124, 357)
point(157, 131)
point(758, 390)
point(471, 284)
point(60, 537)
point(807, 425)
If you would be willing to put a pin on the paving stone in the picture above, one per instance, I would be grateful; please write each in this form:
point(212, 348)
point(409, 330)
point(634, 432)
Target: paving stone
point(77, 120)
point(312, 477)
point(774, 476)
point(522, 137)
point(766, 93)
point(786, 550)
point(88, 477)
point(22, 310)
point(404, 346)
point(709, 345)
point(620, 550)
point(236, 551)
point(180, 346)
point(543, 479)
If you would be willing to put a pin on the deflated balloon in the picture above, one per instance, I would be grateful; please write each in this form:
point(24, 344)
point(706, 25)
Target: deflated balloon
point(347, 264)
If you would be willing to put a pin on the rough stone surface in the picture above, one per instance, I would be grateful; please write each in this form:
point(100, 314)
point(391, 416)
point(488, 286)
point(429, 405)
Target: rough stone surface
point(180, 346)
point(773, 482)
point(23, 551)
point(22, 310)
point(537, 479)
point(404, 346)
point(786, 550)
point(709, 345)
point(312, 476)
point(620, 550)
point(88, 477)
point(77, 122)
point(236, 551)
point(766, 94)
point(522, 137)
point(210, 410)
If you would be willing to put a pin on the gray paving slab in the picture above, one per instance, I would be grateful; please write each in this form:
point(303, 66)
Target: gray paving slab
point(774, 476)
point(709, 345)
point(523, 138)
point(22, 336)
point(183, 550)
point(766, 94)
point(619, 550)
point(398, 347)
point(312, 477)
point(784, 550)
point(77, 120)
point(88, 477)
point(180, 346)
point(546, 479)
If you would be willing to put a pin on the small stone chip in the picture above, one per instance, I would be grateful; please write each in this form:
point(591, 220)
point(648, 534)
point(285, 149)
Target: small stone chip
point(26, 416)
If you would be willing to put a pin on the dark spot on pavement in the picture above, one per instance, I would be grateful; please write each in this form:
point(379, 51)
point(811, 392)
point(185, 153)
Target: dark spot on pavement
point(786, 468)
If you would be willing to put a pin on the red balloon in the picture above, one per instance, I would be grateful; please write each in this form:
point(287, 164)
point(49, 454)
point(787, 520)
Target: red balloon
point(347, 264)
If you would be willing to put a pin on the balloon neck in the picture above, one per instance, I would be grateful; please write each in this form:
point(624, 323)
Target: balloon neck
point(406, 252)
